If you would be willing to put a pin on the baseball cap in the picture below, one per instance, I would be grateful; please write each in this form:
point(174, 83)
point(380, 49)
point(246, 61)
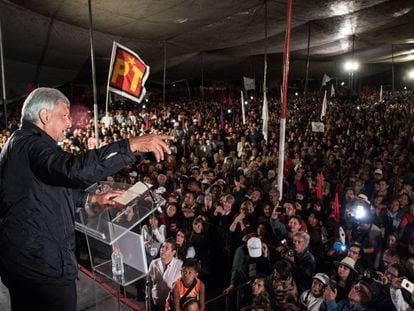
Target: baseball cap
point(378, 171)
point(254, 246)
point(322, 277)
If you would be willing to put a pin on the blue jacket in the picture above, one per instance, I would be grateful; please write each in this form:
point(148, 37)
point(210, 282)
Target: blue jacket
point(342, 305)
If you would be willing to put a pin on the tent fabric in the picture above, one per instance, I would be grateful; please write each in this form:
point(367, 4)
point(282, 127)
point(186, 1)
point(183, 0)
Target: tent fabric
point(47, 41)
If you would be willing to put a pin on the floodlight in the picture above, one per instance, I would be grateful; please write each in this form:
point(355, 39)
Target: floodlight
point(351, 65)
point(359, 212)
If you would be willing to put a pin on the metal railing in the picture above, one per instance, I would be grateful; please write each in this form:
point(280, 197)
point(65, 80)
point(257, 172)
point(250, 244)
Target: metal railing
point(227, 302)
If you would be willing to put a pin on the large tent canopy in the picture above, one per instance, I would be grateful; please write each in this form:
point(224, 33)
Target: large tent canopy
point(46, 42)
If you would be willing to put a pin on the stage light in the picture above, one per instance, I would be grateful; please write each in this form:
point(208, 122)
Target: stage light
point(351, 65)
point(411, 74)
point(342, 83)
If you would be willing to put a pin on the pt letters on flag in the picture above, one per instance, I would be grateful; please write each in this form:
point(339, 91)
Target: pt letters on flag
point(127, 73)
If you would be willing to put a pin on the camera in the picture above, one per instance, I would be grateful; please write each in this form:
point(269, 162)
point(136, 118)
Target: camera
point(339, 247)
point(281, 210)
point(287, 249)
point(407, 285)
point(372, 274)
point(358, 213)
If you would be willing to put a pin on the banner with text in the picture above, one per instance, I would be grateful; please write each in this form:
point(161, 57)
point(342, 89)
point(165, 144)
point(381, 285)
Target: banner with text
point(127, 73)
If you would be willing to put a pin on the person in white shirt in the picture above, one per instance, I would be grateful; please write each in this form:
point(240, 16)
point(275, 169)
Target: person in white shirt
point(107, 120)
point(163, 272)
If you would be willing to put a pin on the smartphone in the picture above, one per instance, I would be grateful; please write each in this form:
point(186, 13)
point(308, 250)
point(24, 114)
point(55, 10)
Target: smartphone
point(407, 285)
point(281, 210)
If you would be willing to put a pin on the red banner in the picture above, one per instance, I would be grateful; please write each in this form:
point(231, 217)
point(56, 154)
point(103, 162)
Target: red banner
point(127, 74)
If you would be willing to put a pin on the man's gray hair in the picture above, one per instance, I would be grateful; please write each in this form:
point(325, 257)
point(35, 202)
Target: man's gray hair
point(304, 236)
point(41, 98)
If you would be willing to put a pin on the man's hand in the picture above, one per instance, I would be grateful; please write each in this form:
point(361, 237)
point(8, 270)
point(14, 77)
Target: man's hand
point(106, 198)
point(396, 283)
point(229, 290)
point(381, 279)
point(329, 294)
point(151, 143)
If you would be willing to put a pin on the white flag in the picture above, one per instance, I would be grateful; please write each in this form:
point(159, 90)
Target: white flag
point(325, 79)
point(249, 83)
point(265, 116)
point(332, 91)
point(324, 104)
point(380, 94)
point(242, 104)
point(318, 127)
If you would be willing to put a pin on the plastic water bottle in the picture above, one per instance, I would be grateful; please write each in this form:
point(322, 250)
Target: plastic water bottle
point(117, 262)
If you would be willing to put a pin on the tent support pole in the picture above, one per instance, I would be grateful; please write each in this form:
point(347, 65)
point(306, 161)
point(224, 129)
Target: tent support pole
point(164, 77)
point(3, 78)
point(95, 92)
point(307, 63)
point(392, 68)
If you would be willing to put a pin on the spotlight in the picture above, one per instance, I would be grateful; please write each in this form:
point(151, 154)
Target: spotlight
point(411, 74)
point(359, 212)
point(351, 65)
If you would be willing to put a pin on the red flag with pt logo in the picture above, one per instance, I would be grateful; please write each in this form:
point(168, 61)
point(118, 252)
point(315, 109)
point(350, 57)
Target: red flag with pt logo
point(127, 73)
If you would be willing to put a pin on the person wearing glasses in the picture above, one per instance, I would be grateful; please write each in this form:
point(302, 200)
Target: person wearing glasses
point(359, 297)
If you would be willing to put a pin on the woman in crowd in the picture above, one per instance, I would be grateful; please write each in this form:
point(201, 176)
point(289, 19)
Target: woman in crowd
point(154, 235)
point(344, 275)
point(184, 248)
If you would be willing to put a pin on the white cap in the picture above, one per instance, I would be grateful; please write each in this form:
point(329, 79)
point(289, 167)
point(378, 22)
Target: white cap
point(378, 171)
point(322, 277)
point(254, 245)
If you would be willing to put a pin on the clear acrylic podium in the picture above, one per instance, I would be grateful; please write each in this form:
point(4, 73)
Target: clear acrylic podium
point(108, 226)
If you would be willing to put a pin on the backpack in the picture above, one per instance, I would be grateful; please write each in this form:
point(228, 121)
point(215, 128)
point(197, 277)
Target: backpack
point(169, 304)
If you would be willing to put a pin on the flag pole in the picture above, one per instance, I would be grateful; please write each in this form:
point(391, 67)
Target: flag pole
point(3, 77)
point(242, 107)
point(202, 78)
point(95, 93)
point(286, 55)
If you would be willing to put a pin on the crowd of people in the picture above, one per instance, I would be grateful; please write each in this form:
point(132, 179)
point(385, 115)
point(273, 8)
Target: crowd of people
point(224, 225)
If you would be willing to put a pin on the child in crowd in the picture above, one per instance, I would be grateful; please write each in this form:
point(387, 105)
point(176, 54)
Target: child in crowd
point(187, 289)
